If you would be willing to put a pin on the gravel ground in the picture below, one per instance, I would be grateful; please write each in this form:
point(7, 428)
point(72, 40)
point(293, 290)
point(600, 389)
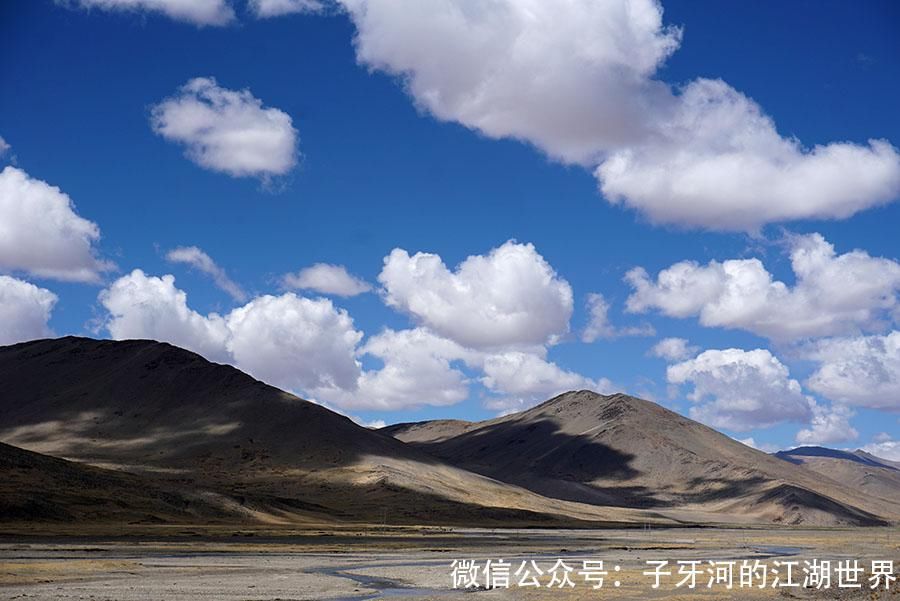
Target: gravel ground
point(410, 566)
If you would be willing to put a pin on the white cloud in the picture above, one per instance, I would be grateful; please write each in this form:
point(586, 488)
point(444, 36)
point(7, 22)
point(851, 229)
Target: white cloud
point(717, 161)
point(510, 296)
point(312, 347)
point(764, 447)
point(142, 306)
point(833, 294)
point(277, 8)
point(416, 370)
point(522, 379)
point(4, 146)
point(298, 344)
point(576, 79)
point(375, 424)
point(741, 390)
point(198, 12)
point(862, 371)
point(41, 233)
point(288, 341)
point(600, 327)
point(882, 437)
point(327, 279)
point(828, 426)
point(227, 130)
point(295, 343)
point(884, 447)
point(24, 311)
point(422, 368)
point(673, 349)
point(570, 78)
point(195, 257)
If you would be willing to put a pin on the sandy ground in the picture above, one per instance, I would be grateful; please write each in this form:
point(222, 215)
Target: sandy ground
point(408, 563)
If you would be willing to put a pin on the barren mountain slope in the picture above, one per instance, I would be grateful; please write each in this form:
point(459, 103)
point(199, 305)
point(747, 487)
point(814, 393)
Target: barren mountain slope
point(152, 408)
point(35, 487)
point(623, 451)
point(867, 474)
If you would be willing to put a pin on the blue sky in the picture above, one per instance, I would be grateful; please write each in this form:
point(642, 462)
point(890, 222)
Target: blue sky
point(380, 165)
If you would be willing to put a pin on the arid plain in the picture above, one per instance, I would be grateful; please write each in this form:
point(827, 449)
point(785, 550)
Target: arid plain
point(408, 563)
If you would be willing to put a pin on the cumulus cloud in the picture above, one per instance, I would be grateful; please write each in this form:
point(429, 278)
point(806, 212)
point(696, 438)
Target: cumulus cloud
point(227, 130)
point(522, 379)
point(142, 306)
point(833, 294)
point(673, 349)
point(295, 343)
point(828, 426)
point(4, 146)
point(24, 311)
point(571, 78)
point(741, 390)
point(327, 279)
point(764, 447)
point(599, 326)
point(276, 8)
point(375, 424)
point(511, 296)
point(577, 80)
point(198, 12)
point(41, 233)
point(292, 342)
point(719, 162)
point(313, 348)
point(308, 346)
point(862, 371)
point(195, 257)
point(417, 369)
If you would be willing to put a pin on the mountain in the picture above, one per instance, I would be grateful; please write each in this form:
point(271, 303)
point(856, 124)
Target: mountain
point(858, 470)
point(161, 412)
point(174, 437)
point(621, 451)
point(880, 460)
point(35, 487)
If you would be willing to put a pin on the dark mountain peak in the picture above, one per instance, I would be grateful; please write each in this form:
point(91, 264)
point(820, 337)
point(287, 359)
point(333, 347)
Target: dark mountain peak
point(155, 404)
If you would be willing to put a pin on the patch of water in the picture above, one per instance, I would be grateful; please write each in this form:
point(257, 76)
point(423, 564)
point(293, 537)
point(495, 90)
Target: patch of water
point(383, 588)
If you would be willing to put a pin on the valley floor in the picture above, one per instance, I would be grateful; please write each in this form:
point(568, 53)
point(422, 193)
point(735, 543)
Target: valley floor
point(174, 564)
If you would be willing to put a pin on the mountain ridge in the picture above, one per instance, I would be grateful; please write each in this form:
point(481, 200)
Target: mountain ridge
point(160, 411)
point(651, 457)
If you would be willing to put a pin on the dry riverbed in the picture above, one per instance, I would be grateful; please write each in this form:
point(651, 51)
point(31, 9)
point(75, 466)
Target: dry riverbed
point(168, 564)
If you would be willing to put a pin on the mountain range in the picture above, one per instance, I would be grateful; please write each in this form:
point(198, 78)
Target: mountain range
point(141, 431)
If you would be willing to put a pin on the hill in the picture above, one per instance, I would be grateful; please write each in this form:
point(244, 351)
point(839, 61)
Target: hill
point(159, 411)
point(621, 451)
point(859, 471)
point(35, 487)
